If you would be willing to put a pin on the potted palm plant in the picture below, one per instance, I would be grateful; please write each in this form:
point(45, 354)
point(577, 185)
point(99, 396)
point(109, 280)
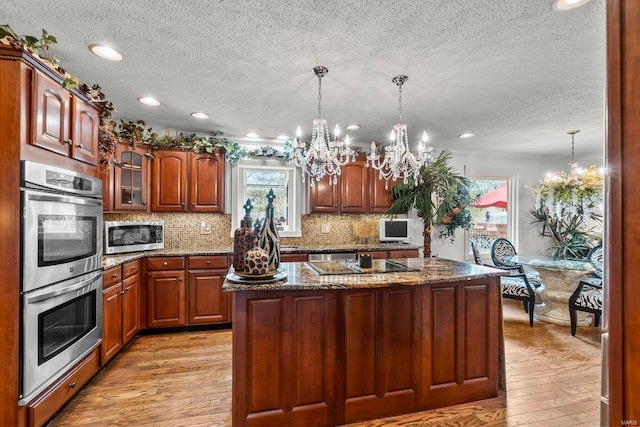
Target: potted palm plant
point(441, 199)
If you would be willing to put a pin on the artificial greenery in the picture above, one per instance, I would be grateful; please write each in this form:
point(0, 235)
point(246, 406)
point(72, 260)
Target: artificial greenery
point(38, 47)
point(564, 205)
point(136, 132)
point(440, 199)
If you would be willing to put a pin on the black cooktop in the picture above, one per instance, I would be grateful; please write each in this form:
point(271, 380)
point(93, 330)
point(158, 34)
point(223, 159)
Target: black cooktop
point(324, 268)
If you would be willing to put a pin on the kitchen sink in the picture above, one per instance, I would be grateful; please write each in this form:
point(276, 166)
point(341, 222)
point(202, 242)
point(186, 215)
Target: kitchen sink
point(324, 268)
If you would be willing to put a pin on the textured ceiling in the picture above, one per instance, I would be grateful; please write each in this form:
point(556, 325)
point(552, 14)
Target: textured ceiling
point(516, 73)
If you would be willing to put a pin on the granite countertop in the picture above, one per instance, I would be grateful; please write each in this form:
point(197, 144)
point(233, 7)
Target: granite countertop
point(432, 271)
point(110, 261)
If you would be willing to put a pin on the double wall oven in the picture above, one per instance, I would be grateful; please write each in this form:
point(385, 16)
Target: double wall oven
point(61, 286)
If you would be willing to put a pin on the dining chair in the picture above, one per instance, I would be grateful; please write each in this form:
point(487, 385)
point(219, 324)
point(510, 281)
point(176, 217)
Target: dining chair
point(501, 250)
point(588, 295)
point(514, 286)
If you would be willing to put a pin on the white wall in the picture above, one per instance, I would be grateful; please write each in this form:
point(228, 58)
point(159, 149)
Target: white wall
point(529, 170)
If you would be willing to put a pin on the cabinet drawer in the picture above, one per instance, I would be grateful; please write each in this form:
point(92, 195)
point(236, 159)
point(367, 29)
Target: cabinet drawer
point(303, 257)
point(111, 277)
point(48, 403)
point(165, 263)
point(131, 268)
point(412, 253)
point(375, 254)
point(209, 261)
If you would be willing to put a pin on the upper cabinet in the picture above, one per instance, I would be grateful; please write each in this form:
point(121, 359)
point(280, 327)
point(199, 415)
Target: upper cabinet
point(131, 180)
point(379, 196)
point(206, 182)
point(187, 182)
point(63, 123)
point(358, 191)
point(126, 188)
point(169, 181)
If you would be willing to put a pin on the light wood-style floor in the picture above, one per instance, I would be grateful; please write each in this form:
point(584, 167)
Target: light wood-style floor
point(184, 379)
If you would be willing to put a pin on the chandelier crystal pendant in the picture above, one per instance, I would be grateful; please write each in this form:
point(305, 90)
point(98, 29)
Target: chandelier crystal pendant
point(322, 156)
point(399, 162)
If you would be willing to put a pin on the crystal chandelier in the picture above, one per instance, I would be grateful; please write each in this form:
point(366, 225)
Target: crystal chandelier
point(399, 161)
point(321, 156)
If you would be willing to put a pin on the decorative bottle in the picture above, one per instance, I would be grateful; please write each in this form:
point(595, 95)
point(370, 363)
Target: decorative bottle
point(268, 238)
point(244, 238)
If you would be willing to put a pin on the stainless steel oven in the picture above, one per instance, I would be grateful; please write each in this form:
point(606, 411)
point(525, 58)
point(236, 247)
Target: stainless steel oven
point(61, 225)
point(61, 323)
point(61, 286)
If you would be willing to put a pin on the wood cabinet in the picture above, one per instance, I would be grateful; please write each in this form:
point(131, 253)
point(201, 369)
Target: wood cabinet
point(354, 187)
point(207, 302)
point(206, 182)
point(284, 359)
point(379, 195)
point(187, 182)
point(63, 123)
point(130, 300)
point(381, 339)
point(299, 257)
point(169, 181)
point(358, 191)
point(120, 308)
point(166, 292)
point(334, 357)
point(406, 253)
point(43, 407)
point(130, 181)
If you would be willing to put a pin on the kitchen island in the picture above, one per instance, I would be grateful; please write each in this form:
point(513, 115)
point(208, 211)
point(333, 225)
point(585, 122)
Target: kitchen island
point(323, 350)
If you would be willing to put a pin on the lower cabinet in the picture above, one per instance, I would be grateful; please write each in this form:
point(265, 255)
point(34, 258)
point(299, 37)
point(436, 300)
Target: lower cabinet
point(297, 257)
point(410, 253)
point(334, 357)
point(166, 292)
point(207, 302)
point(120, 308)
point(178, 297)
point(43, 407)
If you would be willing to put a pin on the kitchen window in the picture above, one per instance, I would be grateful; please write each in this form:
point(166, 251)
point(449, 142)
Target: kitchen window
point(254, 179)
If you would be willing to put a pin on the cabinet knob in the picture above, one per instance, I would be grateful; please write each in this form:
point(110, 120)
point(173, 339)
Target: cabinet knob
point(144, 203)
point(208, 262)
point(114, 275)
point(165, 263)
point(179, 279)
point(182, 204)
point(133, 269)
point(69, 141)
point(193, 204)
point(72, 385)
point(122, 292)
point(79, 145)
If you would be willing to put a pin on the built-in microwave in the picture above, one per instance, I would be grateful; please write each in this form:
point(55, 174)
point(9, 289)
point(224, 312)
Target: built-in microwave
point(121, 237)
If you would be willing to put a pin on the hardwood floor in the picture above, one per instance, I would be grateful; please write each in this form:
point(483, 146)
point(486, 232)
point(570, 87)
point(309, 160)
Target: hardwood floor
point(184, 379)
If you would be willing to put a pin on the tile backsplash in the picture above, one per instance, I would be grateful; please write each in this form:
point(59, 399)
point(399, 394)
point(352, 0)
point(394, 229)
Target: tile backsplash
point(182, 230)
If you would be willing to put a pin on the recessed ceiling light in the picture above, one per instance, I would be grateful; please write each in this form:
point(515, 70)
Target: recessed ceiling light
point(198, 115)
point(352, 127)
point(147, 100)
point(253, 135)
point(466, 135)
point(283, 137)
point(105, 52)
point(568, 4)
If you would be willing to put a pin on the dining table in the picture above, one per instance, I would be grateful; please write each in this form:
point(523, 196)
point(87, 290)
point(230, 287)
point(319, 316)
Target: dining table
point(560, 278)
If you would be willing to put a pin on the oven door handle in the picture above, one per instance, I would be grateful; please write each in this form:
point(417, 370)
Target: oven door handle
point(43, 197)
point(67, 289)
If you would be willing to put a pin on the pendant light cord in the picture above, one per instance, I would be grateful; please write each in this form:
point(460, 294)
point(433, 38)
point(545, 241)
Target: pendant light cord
point(319, 94)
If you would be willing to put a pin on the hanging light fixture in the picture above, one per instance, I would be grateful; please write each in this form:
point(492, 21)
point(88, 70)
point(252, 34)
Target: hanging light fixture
point(575, 170)
point(399, 162)
point(321, 156)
